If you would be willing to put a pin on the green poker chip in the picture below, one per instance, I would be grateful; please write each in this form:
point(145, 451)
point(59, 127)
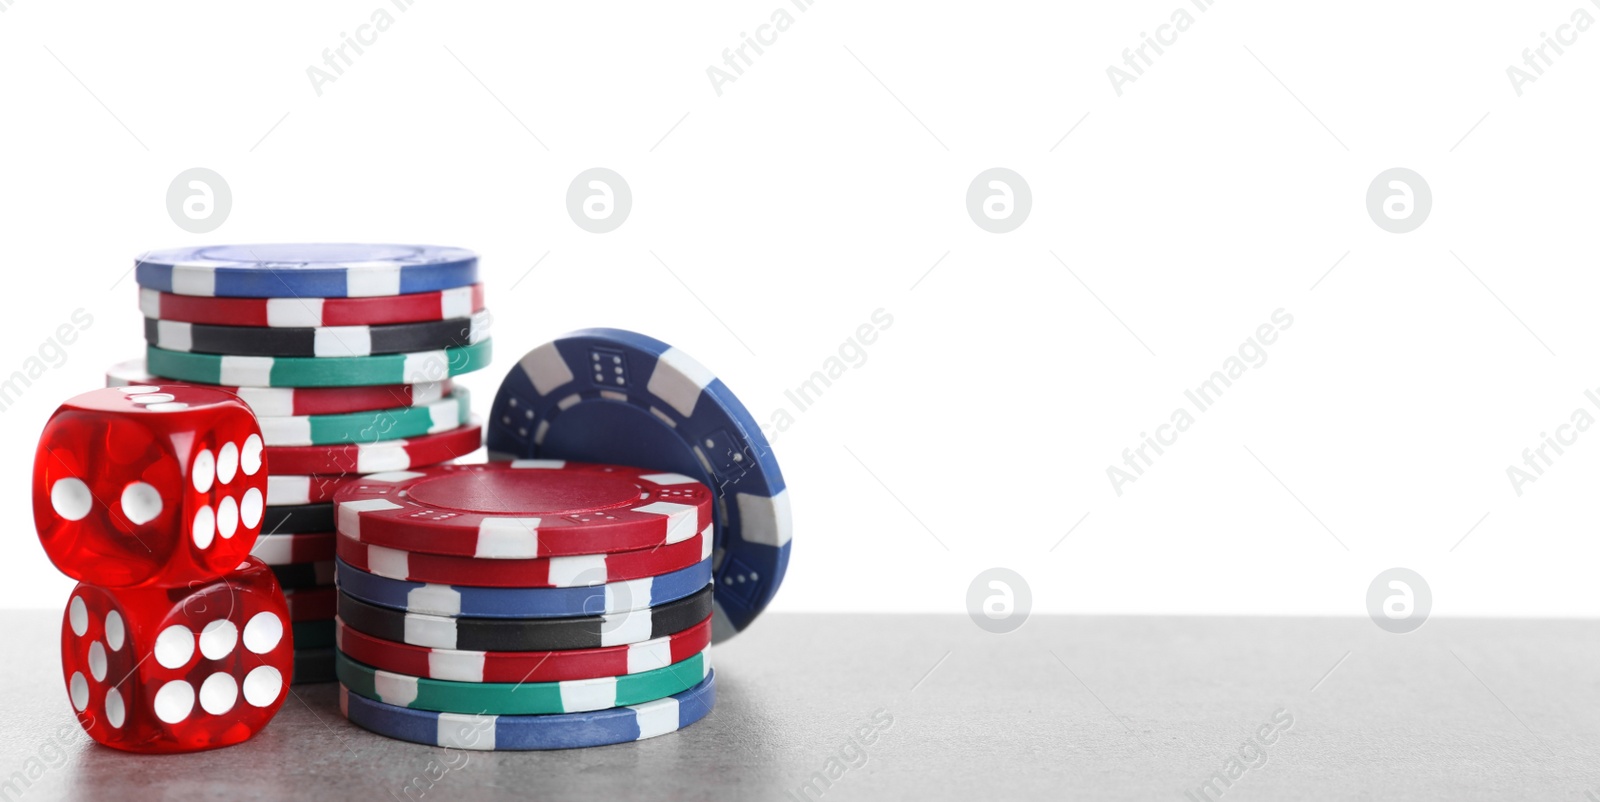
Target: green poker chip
point(313, 371)
point(522, 698)
point(447, 413)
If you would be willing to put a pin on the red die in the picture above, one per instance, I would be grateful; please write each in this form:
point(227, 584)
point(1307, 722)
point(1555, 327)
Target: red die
point(134, 484)
point(178, 669)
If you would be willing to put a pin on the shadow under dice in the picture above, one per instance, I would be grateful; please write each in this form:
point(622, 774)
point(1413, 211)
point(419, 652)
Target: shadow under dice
point(160, 485)
point(178, 669)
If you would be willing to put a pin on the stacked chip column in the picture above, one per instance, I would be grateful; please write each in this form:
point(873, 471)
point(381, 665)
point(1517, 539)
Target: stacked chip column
point(533, 604)
point(152, 496)
point(348, 355)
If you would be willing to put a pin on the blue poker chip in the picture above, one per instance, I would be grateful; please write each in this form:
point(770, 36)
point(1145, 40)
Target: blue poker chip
point(475, 602)
point(481, 731)
point(306, 270)
point(616, 397)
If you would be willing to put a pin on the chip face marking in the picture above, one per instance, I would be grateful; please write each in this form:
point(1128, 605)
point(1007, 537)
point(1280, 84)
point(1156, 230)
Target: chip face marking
point(466, 731)
point(298, 313)
point(349, 513)
point(174, 335)
point(452, 664)
point(396, 689)
point(246, 371)
point(435, 599)
point(372, 278)
point(597, 694)
point(679, 381)
point(508, 538)
point(545, 368)
point(657, 718)
point(768, 521)
point(194, 278)
point(427, 630)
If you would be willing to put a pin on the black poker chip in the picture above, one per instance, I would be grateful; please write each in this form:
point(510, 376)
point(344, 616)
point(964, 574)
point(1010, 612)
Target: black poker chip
point(327, 341)
point(524, 634)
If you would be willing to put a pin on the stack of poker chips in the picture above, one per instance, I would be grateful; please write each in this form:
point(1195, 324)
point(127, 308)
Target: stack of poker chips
point(346, 354)
point(530, 604)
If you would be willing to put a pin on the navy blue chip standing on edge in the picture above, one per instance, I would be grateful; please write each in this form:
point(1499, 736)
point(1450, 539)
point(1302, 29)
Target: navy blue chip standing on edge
point(607, 395)
point(311, 270)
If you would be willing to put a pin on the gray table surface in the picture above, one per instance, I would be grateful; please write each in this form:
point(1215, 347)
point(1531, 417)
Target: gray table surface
point(1064, 708)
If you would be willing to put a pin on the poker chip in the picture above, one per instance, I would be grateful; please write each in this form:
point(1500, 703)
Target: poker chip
point(312, 371)
point(380, 456)
point(523, 509)
point(327, 341)
point(306, 270)
point(522, 698)
point(284, 489)
point(611, 396)
point(315, 634)
point(366, 427)
point(522, 666)
point(285, 401)
point(311, 312)
point(564, 731)
point(314, 665)
point(524, 634)
point(311, 604)
point(462, 600)
point(290, 549)
point(296, 518)
point(546, 572)
point(293, 576)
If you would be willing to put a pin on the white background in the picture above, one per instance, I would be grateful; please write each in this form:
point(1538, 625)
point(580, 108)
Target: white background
point(769, 222)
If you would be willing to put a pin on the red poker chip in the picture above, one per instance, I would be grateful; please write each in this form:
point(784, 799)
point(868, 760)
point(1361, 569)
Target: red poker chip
point(418, 307)
point(523, 510)
point(378, 456)
point(312, 604)
point(551, 666)
point(290, 549)
point(287, 401)
point(284, 490)
point(581, 570)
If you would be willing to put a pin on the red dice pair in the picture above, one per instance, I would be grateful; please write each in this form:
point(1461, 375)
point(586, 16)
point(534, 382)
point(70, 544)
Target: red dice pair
point(151, 497)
